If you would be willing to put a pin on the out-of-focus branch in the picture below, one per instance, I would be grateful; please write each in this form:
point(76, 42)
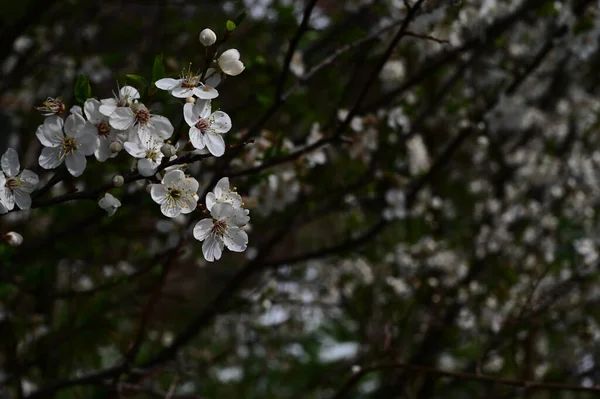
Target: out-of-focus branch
point(345, 390)
point(292, 47)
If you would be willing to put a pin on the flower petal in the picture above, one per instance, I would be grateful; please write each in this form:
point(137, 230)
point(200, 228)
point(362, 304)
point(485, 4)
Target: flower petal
point(189, 114)
point(22, 199)
point(235, 239)
point(91, 108)
point(220, 122)
point(167, 83)
point(88, 143)
point(210, 201)
point(206, 92)
point(50, 133)
point(108, 106)
point(215, 144)
point(173, 178)
point(103, 151)
point(170, 209)
point(197, 138)
point(221, 210)
point(76, 163)
point(10, 163)
point(212, 248)
point(130, 93)
point(122, 118)
point(30, 180)
point(182, 92)
point(214, 78)
point(49, 158)
point(158, 192)
point(74, 124)
point(135, 150)
point(202, 229)
point(161, 127)
point(7, 198)
point(147, 167)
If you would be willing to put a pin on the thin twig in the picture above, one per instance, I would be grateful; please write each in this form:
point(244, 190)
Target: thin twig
point(344, 391)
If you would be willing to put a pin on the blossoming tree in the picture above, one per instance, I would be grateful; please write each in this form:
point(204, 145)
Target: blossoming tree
point(325, 199)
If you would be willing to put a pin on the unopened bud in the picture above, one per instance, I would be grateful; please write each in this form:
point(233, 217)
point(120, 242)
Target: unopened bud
point(13, 239)
point(118, 181)
point(168, 150)
point(208, 37)
point(116, 146)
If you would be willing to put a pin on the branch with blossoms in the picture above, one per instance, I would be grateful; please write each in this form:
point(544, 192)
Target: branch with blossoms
point(106, 127)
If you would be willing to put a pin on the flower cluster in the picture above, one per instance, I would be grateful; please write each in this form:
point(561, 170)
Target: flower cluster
point(104, 127)
point(224, 227)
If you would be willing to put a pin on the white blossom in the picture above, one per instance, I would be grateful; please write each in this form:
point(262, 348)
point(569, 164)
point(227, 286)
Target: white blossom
point(97, 124)
point(176, 194)
point(418, 158)
point(138, 120)
point(109, 203)
point(188, 85)
point(222, 230)
point(230, 63)
point(15, 186)
point(223, 195)
point(65, 141)
point(206, 128)
point(127, 95)
point(149, 154)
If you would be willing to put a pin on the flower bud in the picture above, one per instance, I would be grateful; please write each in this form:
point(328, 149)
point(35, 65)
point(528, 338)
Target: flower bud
point(116, 146)
point(208, 37)
point(190, 100)
point(168, 150)
point(13, 239)
point(230, 63)
point(118, 181)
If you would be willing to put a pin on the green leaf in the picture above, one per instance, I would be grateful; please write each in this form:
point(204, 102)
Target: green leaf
point(158, 68)
point(83, 91)
point(230, 25)
point(137, 79)
point(240, 18)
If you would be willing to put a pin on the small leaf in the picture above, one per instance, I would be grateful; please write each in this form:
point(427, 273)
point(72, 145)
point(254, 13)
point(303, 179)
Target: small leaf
point(83, 91)
point(137, 79)
point(158, 68)
point(230, 25)
point(240, 18)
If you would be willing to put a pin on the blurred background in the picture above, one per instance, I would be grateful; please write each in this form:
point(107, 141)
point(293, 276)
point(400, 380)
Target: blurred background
point(441, 229)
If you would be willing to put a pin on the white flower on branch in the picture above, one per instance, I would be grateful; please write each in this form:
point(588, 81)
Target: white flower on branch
point(15, 186)
point(188, 85)
point(206, 128)
point(223, 229)
point(109, 203)
point(99, 126)
point(66, 141)
point(176, 194)
point(149, 152)
point(139, 121)
point(223, 195)
point(127, 95)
